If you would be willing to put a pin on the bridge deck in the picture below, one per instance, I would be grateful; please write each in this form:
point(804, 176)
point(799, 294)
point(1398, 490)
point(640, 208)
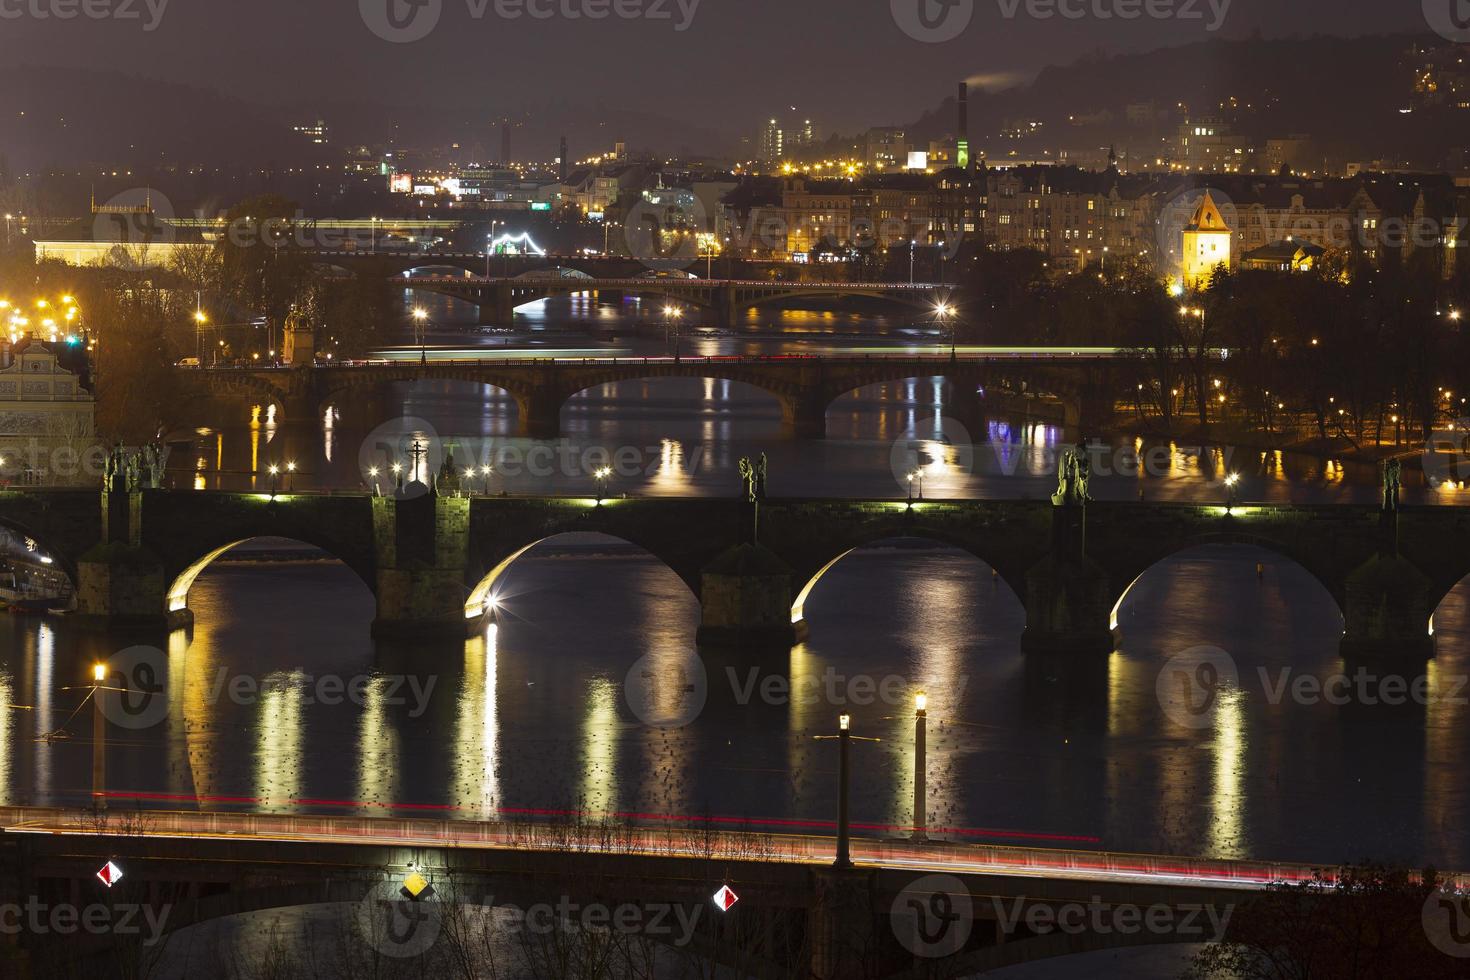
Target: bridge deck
point(664, 842)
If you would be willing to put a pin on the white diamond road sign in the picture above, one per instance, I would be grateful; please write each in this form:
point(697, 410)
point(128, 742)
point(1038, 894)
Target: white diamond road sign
point(110, 874)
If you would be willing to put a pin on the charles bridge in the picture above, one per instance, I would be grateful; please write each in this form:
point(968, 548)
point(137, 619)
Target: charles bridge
point(1072, 389)
point(434, 562)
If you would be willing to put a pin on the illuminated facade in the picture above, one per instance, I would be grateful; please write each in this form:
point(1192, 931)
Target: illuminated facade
point(1206, 244)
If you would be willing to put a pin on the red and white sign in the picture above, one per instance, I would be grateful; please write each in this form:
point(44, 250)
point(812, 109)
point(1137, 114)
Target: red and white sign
point(725, 899)
point(110, 874)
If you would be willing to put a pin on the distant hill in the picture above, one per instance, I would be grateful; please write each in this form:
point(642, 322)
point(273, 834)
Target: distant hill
point(75, 120)
point(1346, 92)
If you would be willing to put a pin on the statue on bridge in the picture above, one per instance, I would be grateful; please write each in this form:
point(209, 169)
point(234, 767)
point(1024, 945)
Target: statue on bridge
point(448, 481)
point(1393, 473)
point(127, 472)
point(754, 475)
point(1074, 473)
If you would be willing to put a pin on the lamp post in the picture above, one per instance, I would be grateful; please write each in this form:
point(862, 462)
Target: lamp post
point(275, 472)
point(1232, 495)
point(602, 476)
point(672, 316)
point(420, 321)
point(844, 835)
point(921, 791)
point(290, 471)
point(943, 313)
point(844, 842)
point(99, 739)
point(373, 475)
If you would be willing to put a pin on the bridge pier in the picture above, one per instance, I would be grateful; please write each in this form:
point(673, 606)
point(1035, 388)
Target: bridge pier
point(966, 407)
point(745, 599)
point(422, 547)
point(1068, 603)
point(505, 306)
point(843, 939)
point(1386, 608)
point(805, 414)
point(119, 583)
point(540, 414)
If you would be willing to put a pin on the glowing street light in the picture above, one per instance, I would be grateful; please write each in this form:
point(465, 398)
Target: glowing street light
point(99, 738)
point(602, 476)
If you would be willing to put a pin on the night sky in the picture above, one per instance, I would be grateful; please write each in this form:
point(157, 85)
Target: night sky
point(843, 62)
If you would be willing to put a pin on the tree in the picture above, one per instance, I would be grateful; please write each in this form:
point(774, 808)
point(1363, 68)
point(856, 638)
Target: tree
point(1365, 924)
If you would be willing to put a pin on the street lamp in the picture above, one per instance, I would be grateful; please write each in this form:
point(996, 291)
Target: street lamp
point(1232, 498)
point(275, 473)
point(943, 313)
point(602, 476)
point(921, 715)
point(290, 471)
point(844, 736)
point(420, 319)
point(99, 738)
point(672, 315)
point(373, 475)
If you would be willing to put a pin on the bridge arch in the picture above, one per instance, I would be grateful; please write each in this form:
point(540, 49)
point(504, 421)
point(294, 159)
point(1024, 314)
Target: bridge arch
point(1251, 548)
point(918, 531)
point(697, 371)
point(46, 550)
point(487, 597)
point(182, 579)
point(1444, 597)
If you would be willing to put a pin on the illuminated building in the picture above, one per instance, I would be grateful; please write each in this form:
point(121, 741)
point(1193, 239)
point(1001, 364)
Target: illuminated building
point(1206, 244)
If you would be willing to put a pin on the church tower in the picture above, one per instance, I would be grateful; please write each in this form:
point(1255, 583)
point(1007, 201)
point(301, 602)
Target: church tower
point(1206, 244)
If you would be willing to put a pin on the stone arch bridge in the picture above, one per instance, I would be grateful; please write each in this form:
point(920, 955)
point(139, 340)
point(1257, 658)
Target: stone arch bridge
point(1072, 389)
point(723, 299)
point(434, 563)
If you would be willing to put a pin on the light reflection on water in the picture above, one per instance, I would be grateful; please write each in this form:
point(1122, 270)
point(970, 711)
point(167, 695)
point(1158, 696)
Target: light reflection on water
point(531, 716)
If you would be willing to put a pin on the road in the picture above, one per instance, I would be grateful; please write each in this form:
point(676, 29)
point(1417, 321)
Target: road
point(950, 858)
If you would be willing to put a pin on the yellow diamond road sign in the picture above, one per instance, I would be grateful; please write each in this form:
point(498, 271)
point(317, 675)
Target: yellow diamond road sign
point(415, 884)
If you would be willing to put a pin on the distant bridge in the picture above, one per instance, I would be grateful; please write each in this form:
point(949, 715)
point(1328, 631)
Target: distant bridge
point(724, 299)
point(1074, 387)
point(396, 262)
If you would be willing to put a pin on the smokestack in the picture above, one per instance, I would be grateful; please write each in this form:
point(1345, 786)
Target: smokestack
point(563, 159)
point(964, 130)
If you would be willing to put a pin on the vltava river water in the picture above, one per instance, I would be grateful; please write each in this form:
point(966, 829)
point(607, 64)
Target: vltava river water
point(531, 717)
